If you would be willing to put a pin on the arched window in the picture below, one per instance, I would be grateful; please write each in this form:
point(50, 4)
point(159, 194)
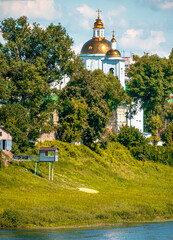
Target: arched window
point(111, 70)
point(97, 33)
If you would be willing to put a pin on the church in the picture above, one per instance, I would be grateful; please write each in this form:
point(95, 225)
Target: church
point(100, 53)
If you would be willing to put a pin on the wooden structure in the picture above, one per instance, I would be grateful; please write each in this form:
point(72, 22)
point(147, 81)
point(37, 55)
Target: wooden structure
point(48, 154)
point(5, 139)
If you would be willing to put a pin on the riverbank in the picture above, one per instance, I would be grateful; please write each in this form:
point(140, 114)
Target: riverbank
point(124, 190)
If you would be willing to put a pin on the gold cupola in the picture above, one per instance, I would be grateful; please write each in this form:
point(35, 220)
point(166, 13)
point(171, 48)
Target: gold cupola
point(113, 52)
point(98, 23)
point(98, 44)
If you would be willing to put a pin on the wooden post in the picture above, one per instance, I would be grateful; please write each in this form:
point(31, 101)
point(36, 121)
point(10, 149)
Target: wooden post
point(36, 168)
point(52, 171)
point(49, 169)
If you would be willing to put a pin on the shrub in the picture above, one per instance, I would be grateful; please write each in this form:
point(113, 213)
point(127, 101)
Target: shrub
point(11, 218)
point(130, 137)
point(167, 134)
point(162, 154)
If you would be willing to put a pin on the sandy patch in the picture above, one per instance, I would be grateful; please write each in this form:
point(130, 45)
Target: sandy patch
point(87, 190)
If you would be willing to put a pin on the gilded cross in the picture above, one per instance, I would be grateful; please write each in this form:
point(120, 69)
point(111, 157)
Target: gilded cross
point(99, 11)
point(113, 32)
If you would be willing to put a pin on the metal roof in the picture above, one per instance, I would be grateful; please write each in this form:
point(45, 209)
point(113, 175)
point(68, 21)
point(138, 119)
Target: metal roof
point(48, 148)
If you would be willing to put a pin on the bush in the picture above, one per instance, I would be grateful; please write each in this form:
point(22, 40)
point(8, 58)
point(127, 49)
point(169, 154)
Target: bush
point(167, 135)
point(11, 218)
point(1, 162)
point(131, 137)
point(162, 154)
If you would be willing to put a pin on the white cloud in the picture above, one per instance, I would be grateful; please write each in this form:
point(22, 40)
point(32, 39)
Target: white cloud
point(132, 33)
point(134, 39)
point(117, 16)
point(77, 48)
point(159, 4)
point(2, 39)
point(43, 9)
point(86, 11)
point(87, 14)
point(166, 6)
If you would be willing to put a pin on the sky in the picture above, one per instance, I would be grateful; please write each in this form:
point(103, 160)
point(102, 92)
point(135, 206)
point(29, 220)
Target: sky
point(141, 26)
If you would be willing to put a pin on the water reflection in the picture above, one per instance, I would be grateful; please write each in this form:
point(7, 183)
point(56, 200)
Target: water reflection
point(154, 231)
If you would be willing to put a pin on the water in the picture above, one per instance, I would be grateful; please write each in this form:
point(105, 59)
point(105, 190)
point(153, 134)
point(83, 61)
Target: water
point(153, 231)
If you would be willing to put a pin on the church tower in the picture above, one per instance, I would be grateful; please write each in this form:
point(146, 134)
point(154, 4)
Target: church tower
point(114, 63)
point(94, 50)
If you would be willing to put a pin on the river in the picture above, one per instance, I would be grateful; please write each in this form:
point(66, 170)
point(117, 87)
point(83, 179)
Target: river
point(151, 231)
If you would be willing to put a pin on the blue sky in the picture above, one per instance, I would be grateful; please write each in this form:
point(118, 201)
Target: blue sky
point(140, 25)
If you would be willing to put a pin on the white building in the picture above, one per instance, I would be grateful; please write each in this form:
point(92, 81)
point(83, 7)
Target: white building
point(99, 53)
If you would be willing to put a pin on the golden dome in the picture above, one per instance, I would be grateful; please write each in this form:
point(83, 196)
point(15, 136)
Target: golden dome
point(96, 46)
point(113, 53)
point(113, 39)
point(98, 23)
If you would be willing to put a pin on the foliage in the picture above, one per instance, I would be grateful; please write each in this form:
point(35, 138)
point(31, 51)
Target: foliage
point(1, 163)
point(11, 218)
point(155, 125)
point(30, 60)
point(167, 135)
point(73, 119)
point(150, 83)
point(96, 94)
point(162, 154)
point(111, 171)
point(130, 137)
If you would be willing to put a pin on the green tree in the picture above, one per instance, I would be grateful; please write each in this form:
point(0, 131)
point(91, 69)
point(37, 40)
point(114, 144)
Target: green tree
point(30, 60)
point(131, 137)
point(150, 82)
point(16, 119)
point(73, 114)
point(167, 135)
point(155, 124)
point(99, 94)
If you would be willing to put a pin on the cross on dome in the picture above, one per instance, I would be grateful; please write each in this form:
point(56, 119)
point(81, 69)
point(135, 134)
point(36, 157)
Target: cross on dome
point(113, 33)
point(99, 11)
point(113, 37)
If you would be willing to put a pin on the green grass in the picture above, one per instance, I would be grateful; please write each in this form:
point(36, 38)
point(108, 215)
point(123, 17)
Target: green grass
point(129, 190)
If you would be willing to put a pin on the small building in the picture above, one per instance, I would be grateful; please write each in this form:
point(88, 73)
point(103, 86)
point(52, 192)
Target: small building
point(5, 139)
point(48, 154)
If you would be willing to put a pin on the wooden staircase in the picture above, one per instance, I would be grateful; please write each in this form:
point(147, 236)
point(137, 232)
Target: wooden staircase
point(7, 154)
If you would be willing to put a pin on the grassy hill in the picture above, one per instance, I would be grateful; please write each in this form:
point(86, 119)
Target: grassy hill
point(128, 190)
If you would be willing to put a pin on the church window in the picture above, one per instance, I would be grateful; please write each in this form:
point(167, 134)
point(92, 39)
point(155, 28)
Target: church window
point(97, 33)
point(111, 70)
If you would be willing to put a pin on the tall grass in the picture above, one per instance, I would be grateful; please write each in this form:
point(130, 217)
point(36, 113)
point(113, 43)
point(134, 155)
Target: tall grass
point(129, 190)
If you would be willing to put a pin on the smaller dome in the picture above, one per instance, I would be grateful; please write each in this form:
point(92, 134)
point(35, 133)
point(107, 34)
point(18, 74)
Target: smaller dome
point(113, 53)
point(113, 39)
point(98, 23)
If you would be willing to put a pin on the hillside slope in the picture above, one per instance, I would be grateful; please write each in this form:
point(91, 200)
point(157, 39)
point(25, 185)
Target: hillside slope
point(128, 190)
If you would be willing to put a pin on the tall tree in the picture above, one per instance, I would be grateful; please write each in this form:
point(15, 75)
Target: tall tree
point(31, 59)
point(150, 82)
point(99, 94)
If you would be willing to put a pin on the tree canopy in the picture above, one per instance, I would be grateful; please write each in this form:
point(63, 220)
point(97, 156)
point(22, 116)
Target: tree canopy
point(151, 82)
point(30, 59)
point(97, 94)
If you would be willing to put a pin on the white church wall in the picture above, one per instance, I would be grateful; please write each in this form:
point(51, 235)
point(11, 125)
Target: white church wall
point(92, 61)
point(118, 69)
point(138, 120)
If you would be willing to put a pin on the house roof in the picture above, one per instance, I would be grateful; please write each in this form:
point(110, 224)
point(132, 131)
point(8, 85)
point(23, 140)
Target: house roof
point(2, 128)
point(48, 148)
